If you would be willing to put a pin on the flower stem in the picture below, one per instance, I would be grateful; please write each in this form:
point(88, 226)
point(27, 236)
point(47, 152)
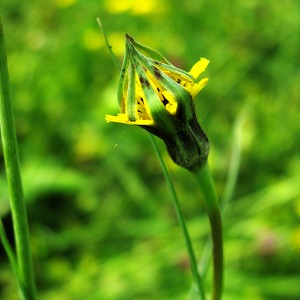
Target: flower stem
point(230, 185)
point(12, 166)
point(207, 187)
point(197, 277)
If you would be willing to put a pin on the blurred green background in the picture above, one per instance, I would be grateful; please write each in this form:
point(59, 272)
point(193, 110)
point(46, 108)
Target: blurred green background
point(101, 219)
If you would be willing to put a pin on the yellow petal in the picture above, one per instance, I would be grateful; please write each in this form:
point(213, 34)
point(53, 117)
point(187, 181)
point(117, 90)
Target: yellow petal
point(120, 118)
point(199, 67)
point(123, 118)
point(143, 122)
point(196, 88)
point(171, 106)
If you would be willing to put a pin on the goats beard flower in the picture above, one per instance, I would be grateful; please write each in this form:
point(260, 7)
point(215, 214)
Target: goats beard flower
point(158, 97)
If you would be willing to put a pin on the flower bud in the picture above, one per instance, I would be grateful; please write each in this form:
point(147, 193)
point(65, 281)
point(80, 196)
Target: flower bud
point(158, 97)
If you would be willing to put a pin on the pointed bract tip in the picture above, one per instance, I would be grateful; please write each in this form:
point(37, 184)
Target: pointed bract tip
point(129, 38)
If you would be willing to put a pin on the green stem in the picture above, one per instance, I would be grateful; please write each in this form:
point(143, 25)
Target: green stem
point(193, 261)
point(230, 182)
point(207, 187)
point(12, 166)
point(8, 249)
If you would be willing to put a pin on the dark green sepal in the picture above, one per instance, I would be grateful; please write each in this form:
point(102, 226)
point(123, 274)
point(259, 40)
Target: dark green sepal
point(189, 148)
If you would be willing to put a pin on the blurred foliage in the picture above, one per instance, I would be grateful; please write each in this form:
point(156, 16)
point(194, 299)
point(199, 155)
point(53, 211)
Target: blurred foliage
point(101, 219)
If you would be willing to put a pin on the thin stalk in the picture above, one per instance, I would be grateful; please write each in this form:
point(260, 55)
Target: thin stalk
point(108, 45)
point(207, 187)
point(9, 250)
point(12, 166)
point(193, 261)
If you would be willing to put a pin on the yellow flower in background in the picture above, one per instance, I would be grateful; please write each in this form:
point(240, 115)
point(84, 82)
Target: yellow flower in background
point(157, 96)
point(116, 40)
point(135, 7)
point(91, 39)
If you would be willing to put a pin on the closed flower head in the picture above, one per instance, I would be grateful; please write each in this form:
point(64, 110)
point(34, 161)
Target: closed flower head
point(158, 97)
